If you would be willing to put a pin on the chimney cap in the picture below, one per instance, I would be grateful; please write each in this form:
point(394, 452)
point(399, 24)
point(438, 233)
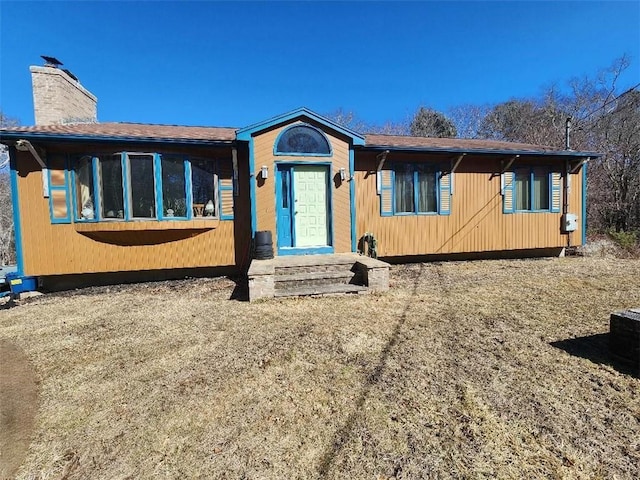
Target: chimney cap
point(51, 61)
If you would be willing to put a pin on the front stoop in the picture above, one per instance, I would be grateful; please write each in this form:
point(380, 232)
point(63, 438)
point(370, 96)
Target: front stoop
point(289, 276)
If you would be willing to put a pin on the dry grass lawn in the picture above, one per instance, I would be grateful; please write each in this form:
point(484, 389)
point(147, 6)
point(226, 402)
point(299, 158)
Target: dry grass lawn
point(478, 369)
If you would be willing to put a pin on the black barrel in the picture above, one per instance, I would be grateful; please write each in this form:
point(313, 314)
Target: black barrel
point(263, 245)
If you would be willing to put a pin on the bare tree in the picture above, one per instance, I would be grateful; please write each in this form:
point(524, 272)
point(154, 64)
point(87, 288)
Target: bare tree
point(348, 119)
point(430, 123)
point(7, 242)
point(615, 178)
point(468, 119)
point(353, 122)
point(604, 120)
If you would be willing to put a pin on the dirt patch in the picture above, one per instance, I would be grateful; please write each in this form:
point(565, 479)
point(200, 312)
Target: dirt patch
point(18, 407)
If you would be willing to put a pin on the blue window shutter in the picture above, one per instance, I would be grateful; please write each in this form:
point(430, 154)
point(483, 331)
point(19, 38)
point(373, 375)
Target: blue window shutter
point(59, 190)
point(386, 193)
point(225, 190)
point(444, 186)
point(508, 200)
point(556, 194)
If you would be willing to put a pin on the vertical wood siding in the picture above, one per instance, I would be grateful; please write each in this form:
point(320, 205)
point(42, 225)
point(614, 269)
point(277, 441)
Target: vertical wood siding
point(476, 223)
point(56, 249)
point(265, 191)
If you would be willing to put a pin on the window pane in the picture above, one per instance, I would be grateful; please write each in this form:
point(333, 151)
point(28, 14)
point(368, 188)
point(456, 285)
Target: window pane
point(523, 190)
point(285, 188)
point(111, 186)
point(57, 169)
point(85, 204)
point(203, 181)
point(174, 195)
point(427, 200)
point(59, 201)
point(142, 195)
point(540, 191)
point(404, 189)
point(303, 139)
point(57, 177)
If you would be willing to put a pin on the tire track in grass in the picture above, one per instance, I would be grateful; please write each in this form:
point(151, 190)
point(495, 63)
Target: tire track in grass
point(343, 435)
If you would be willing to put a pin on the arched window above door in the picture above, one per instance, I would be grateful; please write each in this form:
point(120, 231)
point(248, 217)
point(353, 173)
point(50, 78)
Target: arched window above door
point(302, 139)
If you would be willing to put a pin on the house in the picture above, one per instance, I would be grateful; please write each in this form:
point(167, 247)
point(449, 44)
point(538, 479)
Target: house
point(99, 202)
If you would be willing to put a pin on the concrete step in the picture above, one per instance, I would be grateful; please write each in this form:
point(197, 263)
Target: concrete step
point(302, 269)
point(294, 277)
point(320, 278)
point(310, 260)
point(321, 290)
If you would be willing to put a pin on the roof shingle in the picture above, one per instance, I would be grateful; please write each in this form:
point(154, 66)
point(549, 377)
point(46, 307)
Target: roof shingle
point(448, 144)
point(132, 130)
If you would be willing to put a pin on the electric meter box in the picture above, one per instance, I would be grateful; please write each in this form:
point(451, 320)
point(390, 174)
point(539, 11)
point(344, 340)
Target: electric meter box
point(569, 222)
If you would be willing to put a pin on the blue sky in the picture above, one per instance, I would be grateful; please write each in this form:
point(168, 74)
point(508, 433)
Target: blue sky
point(233, 64)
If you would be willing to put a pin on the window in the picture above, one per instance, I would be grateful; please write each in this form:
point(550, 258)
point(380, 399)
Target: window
point(531, 189)
point(142, 198)
point(111, 199)
point(203, 187)
point(85, 202)
point(302, 140)
point(413, 188)
point(404, 189)
point(427, 195)
point(59, 199)
point(540, 192)
point(174, 188)
point(150, 186)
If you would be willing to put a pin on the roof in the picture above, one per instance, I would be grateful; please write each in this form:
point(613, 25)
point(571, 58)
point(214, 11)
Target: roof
point(125, 131)
point(463, 145)
point(141, 132)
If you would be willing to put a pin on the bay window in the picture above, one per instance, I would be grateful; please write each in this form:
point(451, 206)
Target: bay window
point(146, 186)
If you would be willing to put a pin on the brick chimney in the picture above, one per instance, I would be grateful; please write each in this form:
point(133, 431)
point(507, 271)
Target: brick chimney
point(59, 98)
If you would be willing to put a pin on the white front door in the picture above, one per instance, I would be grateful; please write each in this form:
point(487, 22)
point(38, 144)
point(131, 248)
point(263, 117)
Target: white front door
point(310, 205)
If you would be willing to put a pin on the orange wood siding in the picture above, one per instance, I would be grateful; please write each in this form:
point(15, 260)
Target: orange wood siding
point(266, 195)
point(55, 249)
point(476, 222)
